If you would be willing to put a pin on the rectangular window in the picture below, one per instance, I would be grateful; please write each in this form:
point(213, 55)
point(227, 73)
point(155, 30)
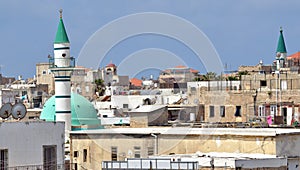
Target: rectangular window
point(75, 166)
point(150, 151)
point(263, 83)
point(222, 111)
point(283, 85)
point(137, 152)
point(211, 111)
point(84, 155)
point(75, 154)
point(125, 105)
point(261, 111)
point(238, 111)
point(3, 159)
point(50, 157)
point(114, 153)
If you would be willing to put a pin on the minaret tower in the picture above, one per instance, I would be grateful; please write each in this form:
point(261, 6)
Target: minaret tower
point(280, 52)
point(62, 66)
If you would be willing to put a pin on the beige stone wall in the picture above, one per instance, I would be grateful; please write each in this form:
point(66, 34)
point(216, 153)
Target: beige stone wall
point(154, 118)
point(44, 76)
point(138, 120)
point(288, 145)
point(228, 99)
point(235, 144)
point(99, 146)
point(251, 85)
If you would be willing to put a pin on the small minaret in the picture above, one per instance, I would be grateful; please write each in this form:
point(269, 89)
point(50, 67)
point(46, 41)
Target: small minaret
point(62, 67)
point(280, 52)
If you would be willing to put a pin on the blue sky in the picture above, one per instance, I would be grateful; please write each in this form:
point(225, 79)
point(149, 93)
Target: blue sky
point(242, 32)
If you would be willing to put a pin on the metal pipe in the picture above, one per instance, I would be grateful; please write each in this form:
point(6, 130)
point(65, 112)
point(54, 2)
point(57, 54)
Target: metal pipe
point(155, 144)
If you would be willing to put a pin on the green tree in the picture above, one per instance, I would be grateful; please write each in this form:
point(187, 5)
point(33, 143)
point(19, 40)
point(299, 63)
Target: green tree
point(100, 86)
point(209, 76)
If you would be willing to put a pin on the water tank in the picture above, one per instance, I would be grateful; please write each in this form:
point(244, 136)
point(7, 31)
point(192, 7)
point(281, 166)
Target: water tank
point(192, 117)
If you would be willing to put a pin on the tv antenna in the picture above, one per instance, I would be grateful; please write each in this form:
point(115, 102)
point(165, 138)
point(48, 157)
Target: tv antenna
point(5, 110)
point(18, 111)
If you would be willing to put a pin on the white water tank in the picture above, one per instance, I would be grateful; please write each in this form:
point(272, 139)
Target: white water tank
point(192, 117)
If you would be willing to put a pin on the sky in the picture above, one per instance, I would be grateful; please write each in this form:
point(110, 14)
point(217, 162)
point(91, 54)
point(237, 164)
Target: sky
point(241, 32)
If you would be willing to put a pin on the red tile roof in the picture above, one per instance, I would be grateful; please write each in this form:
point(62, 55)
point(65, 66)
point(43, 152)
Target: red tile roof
point(180, 66)
point(294, 56)
point(194, 71)
point(110, 65)
point(136, 82)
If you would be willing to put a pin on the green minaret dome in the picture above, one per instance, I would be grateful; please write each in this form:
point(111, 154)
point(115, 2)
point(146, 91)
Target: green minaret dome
point(281, 45)
point(61, 34)
point(83, 112)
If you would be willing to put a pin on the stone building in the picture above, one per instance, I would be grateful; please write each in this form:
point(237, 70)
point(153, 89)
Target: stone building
point(32, 145)
point(91, 147)
point(263, 92)
point(44, 76)
point(256, 95)
point(177, 77)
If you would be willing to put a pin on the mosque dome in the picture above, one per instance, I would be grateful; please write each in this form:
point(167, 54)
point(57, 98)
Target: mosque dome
point(110, 65)
point(83, 112)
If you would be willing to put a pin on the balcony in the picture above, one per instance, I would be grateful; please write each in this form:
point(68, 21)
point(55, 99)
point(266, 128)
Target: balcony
point(61, 62)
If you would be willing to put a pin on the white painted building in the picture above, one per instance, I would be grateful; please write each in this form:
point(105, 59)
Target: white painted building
point(32, 144)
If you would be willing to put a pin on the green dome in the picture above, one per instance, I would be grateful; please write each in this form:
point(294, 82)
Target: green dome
point(83, 112)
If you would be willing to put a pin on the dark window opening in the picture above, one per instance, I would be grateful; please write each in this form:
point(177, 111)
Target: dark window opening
point(125, 105)
point(3, 159)
point(150, 151)
point(222, 111)
point(114, 153)
point(84, 155)
point(75, 154)
point(137, 152)
point(64, 55)
point(75, 166)
point(50, 157)
point(237, 111)
point(211, 111)
point(263, 83)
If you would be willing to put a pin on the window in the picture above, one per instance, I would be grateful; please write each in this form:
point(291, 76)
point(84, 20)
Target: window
point(237, 111)
point(150, 151)
point(84, 155)
point(137, 152)
point(261, 111)
point(75, 154)
point(3, 159)
point(114, 153)
point(211, 111)
point(50, 157)
point(44, 72)
point(125, 105)
point(283, 85)
point(222, 111)
point(263, 83)
point(75, 166)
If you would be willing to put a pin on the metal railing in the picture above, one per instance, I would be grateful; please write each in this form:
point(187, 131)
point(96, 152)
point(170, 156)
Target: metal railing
point(70, 62)
point(40, 167)
point(146, 164)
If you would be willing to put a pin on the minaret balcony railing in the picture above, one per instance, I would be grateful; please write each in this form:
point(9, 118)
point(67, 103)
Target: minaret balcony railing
point(64, 62)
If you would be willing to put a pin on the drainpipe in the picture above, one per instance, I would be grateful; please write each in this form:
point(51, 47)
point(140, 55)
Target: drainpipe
point(155, 144)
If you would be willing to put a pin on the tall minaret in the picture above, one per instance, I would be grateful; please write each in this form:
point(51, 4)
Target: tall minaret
point(280, 52)
point(62, 66)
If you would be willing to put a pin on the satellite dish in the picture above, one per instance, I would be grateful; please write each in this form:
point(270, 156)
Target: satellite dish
point(5, 110)
point(18, 111)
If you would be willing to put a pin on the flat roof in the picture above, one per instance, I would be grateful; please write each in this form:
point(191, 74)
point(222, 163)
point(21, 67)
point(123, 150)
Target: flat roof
point(220, 155)
point(147, 108)
point(193, 131)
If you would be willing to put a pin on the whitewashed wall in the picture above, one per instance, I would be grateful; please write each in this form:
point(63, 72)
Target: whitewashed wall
point(25, 140)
